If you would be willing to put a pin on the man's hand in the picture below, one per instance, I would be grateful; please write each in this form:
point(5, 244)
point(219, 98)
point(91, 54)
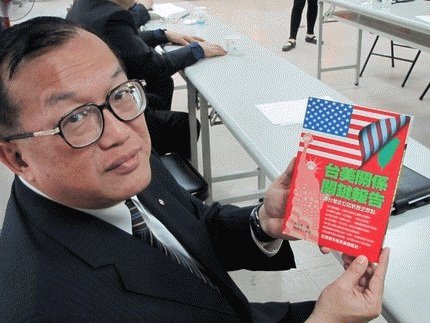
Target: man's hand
point(273, 210)
point(212, 49)
point(181, 39)
point(364, 280)
point(345, 300)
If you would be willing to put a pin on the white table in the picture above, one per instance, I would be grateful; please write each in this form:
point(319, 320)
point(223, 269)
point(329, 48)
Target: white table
point(234, 85)
point(399, 22)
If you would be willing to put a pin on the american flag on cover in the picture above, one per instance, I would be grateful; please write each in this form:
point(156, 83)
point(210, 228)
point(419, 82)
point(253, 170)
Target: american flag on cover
point(347, 133)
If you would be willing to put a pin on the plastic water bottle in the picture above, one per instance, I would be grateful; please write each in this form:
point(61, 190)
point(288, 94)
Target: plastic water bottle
point(200, 13)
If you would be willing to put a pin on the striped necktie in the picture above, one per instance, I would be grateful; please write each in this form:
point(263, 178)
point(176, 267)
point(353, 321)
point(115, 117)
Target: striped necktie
point(143, 232)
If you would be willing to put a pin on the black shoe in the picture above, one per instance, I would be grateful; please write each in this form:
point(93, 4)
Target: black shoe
point(312, 39)
point(289, 46)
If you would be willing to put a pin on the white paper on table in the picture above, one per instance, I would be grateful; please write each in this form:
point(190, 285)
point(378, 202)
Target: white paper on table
point(425, 18)
point(164, 10)
point(285, 113)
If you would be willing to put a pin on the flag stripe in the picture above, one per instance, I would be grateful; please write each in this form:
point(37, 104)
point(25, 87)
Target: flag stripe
point(370, 112)
point(330, 149)
point(346, 133)
point(334, 157)
point(352, 142)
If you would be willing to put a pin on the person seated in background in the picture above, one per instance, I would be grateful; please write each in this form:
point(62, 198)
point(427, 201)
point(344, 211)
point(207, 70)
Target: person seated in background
point(140, 12)
point(113, 22)
point(96, 228)
point(4, 11)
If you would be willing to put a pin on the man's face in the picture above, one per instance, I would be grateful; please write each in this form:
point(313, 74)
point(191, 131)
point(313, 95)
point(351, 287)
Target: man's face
point(114, 168)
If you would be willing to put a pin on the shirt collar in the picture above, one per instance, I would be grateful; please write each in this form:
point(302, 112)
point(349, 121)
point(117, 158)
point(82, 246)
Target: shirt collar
point(117, 215)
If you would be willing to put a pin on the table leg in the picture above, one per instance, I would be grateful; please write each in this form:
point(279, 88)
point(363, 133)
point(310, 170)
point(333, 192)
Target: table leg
point(206, 149)
point(357, 68)
point(320, 33)
point(192, 111)
point(261, 179)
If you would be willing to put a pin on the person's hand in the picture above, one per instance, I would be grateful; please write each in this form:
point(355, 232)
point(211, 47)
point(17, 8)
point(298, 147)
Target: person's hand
point(272, 212)
point(364, 280)
point(212, 49)
point(147, 3)
point(325, 250)
point(345, 301)
point(181, 39)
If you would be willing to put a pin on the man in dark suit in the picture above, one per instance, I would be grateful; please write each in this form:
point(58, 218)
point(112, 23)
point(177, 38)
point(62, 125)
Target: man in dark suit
point(118, 24)
point(72, 130)
point(113, 22)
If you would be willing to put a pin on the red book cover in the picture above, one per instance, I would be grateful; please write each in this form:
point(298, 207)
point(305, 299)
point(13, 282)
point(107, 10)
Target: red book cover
point(345, 176)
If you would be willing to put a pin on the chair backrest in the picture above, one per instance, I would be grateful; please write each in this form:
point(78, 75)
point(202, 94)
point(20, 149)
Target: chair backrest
point(186, 175)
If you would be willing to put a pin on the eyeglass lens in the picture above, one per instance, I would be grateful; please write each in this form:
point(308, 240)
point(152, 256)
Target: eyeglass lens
point(84, 125)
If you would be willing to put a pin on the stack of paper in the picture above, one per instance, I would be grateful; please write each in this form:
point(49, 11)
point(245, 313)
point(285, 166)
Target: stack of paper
point(285, 113)
point(166, 10)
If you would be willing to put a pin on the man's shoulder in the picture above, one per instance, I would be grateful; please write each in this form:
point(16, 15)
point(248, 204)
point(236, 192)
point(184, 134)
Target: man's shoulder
point(89, 12)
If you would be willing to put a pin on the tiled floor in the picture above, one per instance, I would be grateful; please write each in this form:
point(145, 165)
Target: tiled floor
point(267, 23)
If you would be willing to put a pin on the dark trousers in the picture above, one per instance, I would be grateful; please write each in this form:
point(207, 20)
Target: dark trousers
point(163, 89)
point(299, 312)
point(170, 132)
point(296, 16)
point(274, 312)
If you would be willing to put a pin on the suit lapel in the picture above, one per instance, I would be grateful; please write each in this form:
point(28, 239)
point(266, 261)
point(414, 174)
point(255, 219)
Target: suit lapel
point(173, 211)
point(141, 268)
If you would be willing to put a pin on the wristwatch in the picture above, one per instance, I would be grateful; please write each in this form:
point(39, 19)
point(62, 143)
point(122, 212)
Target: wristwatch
point(256, 226)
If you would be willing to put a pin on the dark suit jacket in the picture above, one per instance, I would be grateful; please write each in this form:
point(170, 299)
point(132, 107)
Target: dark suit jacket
point(61, 265)
point(117, 27)
point(140, 14)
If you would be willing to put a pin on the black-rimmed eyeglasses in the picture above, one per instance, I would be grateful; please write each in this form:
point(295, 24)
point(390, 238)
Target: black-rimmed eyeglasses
point(84, 125)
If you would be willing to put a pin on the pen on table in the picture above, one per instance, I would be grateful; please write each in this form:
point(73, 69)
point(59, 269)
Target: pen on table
point(184, 16)
point(401, 1)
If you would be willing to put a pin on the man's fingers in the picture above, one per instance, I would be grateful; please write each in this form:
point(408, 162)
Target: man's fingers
point(347, 259)
point(376, 283)
point(352, 275)
point(325, 250)
point(286, 177)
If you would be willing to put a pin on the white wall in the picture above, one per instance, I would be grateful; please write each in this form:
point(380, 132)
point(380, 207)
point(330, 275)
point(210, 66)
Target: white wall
point(6, 178)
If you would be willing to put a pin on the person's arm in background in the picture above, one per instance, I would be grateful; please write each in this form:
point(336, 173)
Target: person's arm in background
point(141, 60)
point(140, 14)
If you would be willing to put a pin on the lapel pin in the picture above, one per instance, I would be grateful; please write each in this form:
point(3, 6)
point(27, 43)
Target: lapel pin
point(161, 202)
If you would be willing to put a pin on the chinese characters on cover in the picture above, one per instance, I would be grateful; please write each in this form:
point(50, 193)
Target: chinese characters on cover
point(345, 176)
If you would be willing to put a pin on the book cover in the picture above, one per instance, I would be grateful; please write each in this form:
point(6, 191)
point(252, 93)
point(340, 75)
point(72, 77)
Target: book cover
point(345, 176)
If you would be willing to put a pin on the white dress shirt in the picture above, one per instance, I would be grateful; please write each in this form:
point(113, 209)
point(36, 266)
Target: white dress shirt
point(119, 216)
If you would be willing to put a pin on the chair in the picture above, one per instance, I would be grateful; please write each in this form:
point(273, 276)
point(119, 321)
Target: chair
point(186, 175)
point(393, 58)
point(425, 91)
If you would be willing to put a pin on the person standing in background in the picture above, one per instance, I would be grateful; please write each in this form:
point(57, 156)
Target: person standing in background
point(4, 18)
point(296, 17)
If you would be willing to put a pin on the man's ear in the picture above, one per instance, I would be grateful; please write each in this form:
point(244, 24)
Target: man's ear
point(12, 158)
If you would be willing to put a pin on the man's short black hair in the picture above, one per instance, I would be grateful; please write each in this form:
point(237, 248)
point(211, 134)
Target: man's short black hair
point(26, 41)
